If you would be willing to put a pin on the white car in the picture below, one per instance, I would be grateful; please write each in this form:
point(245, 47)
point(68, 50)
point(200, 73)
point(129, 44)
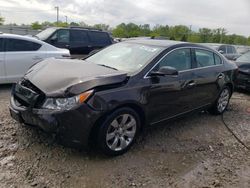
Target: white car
point(19, 53)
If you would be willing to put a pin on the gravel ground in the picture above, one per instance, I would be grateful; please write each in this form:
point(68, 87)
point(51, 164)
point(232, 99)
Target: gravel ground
point(196, 151)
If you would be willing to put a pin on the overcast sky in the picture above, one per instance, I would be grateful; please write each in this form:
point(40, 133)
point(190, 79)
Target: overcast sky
point(230, 14)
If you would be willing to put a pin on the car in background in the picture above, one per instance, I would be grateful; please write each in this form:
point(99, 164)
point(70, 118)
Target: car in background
point(242, 49)
point(77, 39)
point(18, 53)
point(243, 77)
point(229, 51)
point(110, 97)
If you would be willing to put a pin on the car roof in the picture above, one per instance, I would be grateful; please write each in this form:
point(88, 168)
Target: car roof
point(14, 36)
point(80, 28)
point(167, 43)
point(155, 42)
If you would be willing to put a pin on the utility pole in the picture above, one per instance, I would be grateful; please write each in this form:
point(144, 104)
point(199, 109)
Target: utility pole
point(66, 18)
point(57, 15)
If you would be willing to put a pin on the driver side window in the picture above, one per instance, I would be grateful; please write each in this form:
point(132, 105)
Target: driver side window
point(179, 59)
point(61, 36)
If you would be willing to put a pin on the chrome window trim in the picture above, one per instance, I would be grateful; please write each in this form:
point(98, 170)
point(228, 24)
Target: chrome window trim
point(187, 47)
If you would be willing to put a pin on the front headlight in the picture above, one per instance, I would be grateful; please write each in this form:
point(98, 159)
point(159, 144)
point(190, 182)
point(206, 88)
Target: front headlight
point(66, 103)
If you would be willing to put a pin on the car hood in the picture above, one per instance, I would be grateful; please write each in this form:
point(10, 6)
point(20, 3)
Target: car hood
point(244, 67)
point(63, 77)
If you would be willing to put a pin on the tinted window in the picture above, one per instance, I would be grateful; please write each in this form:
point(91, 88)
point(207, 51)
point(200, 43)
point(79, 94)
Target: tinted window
point(231, 50)
point(21, 45)
point(1, 45)
point(99, 38)
point(179, 59)
point(223, 48)
point(204, 58)
point(79, 36)
point(61, 36)
point(217, 59)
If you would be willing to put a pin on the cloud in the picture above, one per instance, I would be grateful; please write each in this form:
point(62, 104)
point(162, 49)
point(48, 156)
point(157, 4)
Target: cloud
point(230, 14)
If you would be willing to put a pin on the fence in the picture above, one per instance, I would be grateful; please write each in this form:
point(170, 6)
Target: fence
point(18, 30)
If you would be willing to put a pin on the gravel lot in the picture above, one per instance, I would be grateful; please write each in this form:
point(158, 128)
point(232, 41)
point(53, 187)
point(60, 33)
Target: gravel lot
point(196, 151)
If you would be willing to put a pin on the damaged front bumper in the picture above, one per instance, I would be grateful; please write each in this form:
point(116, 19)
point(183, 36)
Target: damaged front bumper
point(73, 127)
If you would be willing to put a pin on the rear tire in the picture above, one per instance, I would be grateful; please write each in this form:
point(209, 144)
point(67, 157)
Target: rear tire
point(220, 105)
point(118, 131)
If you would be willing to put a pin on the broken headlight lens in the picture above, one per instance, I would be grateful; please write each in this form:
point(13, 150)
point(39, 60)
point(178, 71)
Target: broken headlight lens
point(66, 103)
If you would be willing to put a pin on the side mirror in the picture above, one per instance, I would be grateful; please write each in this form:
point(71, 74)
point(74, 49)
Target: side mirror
point(221, 51)
point(163, 71)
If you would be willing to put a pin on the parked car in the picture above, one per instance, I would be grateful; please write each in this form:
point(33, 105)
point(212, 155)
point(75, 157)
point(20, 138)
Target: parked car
point(242, 49)
point(243, 77)
point(112, 95)
point(229, 51)
point(18, 53)
point(78, 40)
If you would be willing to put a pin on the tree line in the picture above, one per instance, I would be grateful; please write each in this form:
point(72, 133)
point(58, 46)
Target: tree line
point(177, 32)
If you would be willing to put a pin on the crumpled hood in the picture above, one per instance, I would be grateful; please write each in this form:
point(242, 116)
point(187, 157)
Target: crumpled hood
point(60, 77)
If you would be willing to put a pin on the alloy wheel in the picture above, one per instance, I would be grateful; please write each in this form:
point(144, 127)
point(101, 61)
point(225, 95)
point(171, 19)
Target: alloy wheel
point(121, 132)
point(223, 100)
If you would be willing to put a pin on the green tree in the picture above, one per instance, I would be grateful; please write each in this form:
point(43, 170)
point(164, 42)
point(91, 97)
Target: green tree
point(74, 24)
point(160, 30)
point(179, 32)
point(205, 35)
point(103, 27)
point(36, 26)
point(248, 41)
point(2, 20)
point(47, 24)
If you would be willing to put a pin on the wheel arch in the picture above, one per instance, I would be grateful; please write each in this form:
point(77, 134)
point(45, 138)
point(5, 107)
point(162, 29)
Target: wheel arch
point(138, 109)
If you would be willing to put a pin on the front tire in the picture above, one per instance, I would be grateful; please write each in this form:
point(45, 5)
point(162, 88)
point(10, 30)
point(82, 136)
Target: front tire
point(220, 105)
point(118, 132)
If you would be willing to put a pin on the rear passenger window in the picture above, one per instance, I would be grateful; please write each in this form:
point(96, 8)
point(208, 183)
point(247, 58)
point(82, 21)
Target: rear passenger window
point(217, 59)
point(79, 36)
point(204, 58)
point(179, 59)
point(99, 38)
point(1, 45)
point(15, 45)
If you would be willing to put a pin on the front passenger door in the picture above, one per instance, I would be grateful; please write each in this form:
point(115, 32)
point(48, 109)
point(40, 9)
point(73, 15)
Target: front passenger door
point(60, 38)
point(172, 95)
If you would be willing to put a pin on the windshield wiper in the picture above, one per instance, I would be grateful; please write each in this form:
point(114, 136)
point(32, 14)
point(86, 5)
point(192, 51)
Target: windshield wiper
point(107, 66)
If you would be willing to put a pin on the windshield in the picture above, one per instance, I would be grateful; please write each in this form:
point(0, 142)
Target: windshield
point(244, 58)
point(124, 56)
point(43, 35)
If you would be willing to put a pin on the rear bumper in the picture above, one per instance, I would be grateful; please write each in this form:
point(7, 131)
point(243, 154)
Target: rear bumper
point(72, 127)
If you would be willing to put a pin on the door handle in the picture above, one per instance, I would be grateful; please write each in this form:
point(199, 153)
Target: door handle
point(191, 84)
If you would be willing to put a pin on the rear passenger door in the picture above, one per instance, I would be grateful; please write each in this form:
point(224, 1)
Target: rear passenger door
point(2, 61)
point(19, 56)
point(79, 42)
point(98, 40)
point(207, 74)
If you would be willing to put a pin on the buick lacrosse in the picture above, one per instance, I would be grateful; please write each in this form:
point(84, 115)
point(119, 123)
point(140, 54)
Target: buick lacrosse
point(111, 96)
